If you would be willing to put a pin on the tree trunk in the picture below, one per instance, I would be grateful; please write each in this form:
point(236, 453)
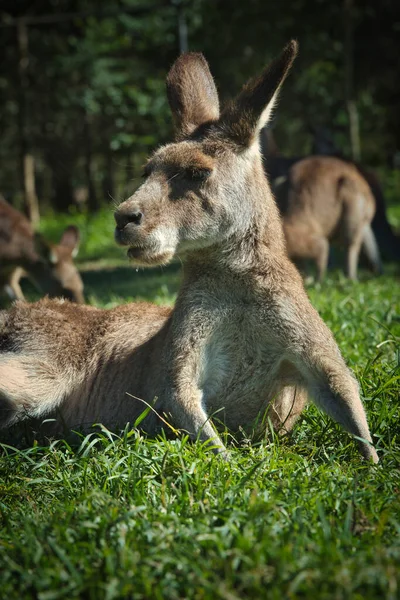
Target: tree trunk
point(62, 187)
point(108, 183)
point(93, 203)
point(61, 160)
point(27, 161)
point(182, 30)
point(351, 103)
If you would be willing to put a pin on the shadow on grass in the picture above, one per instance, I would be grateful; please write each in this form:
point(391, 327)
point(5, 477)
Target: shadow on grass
point(109, 284)
point(116, 284)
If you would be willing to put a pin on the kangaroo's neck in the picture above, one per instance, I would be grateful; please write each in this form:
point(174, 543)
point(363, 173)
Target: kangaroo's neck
point(257, 247)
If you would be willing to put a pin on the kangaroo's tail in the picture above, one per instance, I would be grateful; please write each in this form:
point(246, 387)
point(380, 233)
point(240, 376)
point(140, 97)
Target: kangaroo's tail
point(371, 249)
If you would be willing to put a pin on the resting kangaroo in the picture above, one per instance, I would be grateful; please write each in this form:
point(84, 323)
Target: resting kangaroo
point(242, 338)
point(326, 199)
point(50, 266)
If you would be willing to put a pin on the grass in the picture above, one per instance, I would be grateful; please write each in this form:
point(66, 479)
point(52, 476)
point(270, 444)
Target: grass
point(128, 517)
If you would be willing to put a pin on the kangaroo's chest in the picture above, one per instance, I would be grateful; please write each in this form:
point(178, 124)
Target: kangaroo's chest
point(237, 363)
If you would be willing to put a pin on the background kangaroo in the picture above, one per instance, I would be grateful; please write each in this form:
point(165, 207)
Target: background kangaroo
point(242, 338)
point(50, 266)
point(325, 199)
point(277, 168)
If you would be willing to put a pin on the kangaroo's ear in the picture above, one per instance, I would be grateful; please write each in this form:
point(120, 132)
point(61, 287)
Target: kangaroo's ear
point(192, 94)
point(246, 115)
point(70, 239)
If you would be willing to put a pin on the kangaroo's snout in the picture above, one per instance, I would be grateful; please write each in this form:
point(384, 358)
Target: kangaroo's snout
point(129, 215)
point(128, 219)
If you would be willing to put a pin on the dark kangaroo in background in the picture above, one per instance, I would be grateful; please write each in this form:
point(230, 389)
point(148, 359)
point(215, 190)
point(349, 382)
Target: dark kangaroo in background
point(242, 338)
point(50, 266)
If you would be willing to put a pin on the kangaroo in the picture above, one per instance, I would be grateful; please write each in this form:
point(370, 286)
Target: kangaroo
point(325, 199)
point(242, 339)
point(50, 266)
point(277, 168)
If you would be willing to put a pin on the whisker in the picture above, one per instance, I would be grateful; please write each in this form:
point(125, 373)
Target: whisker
point(114, 204)
point(173, 176)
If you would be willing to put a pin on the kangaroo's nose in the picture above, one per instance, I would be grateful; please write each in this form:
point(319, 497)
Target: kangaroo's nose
point(133, 215)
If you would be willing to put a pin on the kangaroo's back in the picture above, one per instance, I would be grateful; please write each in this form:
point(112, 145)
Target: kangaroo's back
point(55, 352)
point(316, 185)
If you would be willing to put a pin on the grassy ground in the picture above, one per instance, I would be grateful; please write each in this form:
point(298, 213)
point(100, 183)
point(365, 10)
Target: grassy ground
point(126, 517)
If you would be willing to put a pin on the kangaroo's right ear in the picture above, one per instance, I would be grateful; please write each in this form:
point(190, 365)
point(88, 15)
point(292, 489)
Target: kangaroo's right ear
point(244, 117)
point(192, 94)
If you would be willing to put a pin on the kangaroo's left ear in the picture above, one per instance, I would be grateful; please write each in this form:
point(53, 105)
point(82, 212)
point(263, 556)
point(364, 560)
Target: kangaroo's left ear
point(192, 94)
point(244, 117)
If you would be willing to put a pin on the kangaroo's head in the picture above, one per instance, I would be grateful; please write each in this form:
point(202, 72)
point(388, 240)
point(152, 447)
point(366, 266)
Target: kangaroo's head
point(55, 271)
point(206, 189)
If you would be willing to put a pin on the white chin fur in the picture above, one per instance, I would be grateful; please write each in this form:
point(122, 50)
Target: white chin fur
point(158, 249)
point(147, 258)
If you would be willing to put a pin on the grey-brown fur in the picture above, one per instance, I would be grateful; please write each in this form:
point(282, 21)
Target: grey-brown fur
point(50, 266)
point(326, 199)
point(242, 337)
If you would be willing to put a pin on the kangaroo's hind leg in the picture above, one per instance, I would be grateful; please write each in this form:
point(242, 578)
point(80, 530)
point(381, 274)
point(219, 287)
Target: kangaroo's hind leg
point(353, 253)
point(357, 214)
point(29, 388)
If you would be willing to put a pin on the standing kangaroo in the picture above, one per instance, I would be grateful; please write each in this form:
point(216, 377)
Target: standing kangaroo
point(50, 266)
point(277, 168)
point(326, 199)
point(242, 338)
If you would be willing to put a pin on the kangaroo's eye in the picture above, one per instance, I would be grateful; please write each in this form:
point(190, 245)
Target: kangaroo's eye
point(197, 174)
